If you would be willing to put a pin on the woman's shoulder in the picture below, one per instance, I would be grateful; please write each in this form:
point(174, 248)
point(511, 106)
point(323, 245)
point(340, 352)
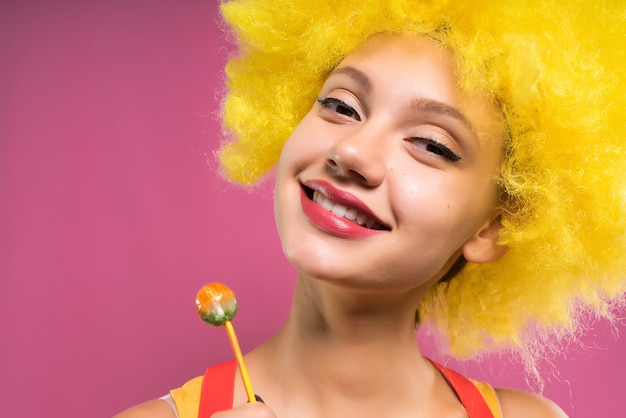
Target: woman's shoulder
point(521, 404)
point(181, 402)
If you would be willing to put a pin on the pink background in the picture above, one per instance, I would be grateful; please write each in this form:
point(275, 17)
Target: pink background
point(112, 216)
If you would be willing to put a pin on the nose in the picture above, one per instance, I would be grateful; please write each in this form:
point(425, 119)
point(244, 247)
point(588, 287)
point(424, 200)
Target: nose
point(359, 157)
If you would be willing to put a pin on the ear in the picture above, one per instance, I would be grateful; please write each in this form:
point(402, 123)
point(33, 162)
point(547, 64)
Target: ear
point(483, 247)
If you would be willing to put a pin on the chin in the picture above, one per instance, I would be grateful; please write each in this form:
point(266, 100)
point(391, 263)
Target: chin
point(310, 263)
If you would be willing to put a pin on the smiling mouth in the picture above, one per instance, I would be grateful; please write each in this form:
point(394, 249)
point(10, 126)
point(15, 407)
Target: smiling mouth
point(342, 211)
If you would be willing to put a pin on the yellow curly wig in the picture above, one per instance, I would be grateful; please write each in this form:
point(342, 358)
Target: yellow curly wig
point(557, 69)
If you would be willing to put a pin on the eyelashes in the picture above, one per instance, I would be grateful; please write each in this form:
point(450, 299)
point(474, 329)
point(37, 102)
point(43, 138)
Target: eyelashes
point(339, 108)
point(435, 147)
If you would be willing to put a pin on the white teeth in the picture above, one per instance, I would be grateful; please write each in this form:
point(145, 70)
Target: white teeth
point(325, 203)
point(343, 211)
point(350, 214)
point(339, 210)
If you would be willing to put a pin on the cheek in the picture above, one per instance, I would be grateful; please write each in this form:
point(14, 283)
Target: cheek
point(440, 206)
point(304, 145)
point(423, 193)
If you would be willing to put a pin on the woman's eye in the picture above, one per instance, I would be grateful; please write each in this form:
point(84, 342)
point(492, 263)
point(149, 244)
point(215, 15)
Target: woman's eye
point(340, 107)
point(435, 147)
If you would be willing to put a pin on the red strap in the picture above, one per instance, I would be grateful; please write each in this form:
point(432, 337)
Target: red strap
point(217, 389)
point(468, 393)
point(219, 382)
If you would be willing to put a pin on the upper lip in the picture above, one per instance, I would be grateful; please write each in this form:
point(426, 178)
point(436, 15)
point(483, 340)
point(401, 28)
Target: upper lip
point(342, 197)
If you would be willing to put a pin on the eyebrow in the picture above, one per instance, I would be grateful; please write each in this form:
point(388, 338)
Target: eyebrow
point(357, 75)
point(435, 107)
point(421, 105)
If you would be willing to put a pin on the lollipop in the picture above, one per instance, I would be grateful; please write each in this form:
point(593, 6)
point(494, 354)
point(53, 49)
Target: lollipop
point(217, 305)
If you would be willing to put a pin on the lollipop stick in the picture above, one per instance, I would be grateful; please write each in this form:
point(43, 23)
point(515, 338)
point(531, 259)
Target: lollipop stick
point(242, 367)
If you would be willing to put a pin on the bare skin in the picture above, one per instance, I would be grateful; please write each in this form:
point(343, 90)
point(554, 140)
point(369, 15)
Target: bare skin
point(394, 142)
point(389, 385)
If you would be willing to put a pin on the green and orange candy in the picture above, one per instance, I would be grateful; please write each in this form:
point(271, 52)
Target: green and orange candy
point(217, 306)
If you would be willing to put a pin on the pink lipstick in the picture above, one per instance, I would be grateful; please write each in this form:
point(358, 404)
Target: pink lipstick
point(338, 212)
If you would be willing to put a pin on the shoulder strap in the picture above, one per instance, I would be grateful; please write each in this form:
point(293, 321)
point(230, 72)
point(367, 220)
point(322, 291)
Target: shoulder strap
point(468, 393)
point(219, 381)
point(217, 389)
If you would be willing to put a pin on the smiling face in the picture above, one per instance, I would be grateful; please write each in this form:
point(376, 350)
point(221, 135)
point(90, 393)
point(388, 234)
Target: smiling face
point(391, 175)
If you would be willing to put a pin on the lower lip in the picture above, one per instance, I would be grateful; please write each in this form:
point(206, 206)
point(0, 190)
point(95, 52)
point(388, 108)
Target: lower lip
point(331, 223)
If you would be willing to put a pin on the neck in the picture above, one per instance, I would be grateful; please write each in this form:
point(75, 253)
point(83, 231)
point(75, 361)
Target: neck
point(329, 313)
point(345, 344)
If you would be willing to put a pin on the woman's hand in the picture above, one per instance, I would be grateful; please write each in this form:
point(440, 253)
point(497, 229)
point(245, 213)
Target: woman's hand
point(250, 410)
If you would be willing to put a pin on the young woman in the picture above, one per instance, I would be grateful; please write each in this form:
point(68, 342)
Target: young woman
point(442, 163)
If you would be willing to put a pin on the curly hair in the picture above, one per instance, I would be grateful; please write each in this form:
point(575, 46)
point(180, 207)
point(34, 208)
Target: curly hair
point(557, 70)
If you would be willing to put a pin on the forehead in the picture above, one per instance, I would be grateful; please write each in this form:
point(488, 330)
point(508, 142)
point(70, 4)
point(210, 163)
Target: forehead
point(414, 58)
